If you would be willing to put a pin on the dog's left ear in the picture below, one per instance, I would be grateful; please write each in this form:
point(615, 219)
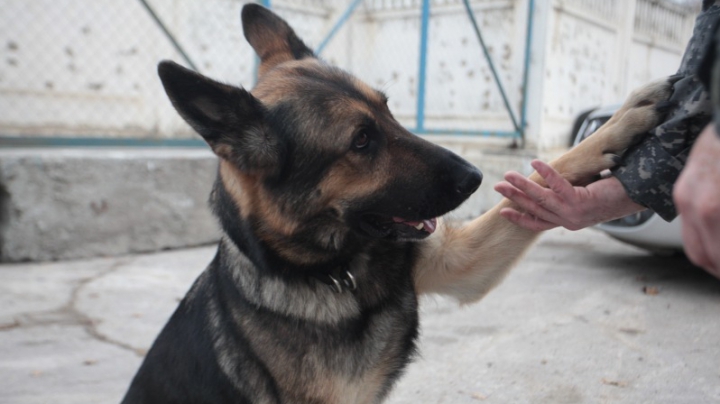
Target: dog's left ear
point(271, 37)
point(229, 118)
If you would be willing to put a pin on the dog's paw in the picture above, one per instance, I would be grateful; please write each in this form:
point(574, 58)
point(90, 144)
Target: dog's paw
point(645, 106)
point(643, 110)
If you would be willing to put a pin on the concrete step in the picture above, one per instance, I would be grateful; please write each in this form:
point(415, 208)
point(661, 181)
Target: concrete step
point(76, 203)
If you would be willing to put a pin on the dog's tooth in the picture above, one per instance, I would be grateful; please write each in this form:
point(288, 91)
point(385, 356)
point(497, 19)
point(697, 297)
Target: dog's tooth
point(420, 226)
point(430, 225)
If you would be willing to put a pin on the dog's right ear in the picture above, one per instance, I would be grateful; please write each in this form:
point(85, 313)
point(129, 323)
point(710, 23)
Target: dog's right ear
point(229, 118)
point(271, 37)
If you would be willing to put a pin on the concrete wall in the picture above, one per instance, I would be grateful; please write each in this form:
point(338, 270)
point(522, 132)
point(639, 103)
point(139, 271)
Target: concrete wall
point(87, 68)
point(589, 53)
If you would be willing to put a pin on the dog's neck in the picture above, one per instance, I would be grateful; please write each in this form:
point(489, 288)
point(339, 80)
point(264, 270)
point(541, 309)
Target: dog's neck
point(339, 280)
point(329, 267)
point(339, 275)
point(306, 297)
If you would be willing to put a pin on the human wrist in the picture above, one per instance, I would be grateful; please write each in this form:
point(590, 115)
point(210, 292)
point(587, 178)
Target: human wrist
point(612, 200)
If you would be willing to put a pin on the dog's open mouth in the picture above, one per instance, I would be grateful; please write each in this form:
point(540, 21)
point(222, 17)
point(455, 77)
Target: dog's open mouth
point(396, 227)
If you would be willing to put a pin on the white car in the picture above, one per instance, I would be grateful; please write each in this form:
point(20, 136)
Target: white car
point(645, 229)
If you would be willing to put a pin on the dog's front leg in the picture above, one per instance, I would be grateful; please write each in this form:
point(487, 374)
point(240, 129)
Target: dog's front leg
point(467, 262)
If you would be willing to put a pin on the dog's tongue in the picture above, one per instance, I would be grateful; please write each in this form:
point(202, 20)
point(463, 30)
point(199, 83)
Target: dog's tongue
point(428, 225)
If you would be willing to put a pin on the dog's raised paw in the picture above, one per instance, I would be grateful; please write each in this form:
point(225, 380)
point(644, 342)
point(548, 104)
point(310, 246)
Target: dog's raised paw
point(644, 109)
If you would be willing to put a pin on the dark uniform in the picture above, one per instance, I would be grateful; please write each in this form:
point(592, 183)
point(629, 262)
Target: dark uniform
point(709, 74)
point(650, 168)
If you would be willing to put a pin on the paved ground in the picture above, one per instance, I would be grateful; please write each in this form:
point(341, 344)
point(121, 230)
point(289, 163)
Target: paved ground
point(583, 319)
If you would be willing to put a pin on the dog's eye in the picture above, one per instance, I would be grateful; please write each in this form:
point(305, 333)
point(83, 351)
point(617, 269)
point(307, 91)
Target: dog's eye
point(361, 141)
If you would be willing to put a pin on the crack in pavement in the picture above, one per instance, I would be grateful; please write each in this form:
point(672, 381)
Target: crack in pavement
point(15, 324)
point(90, 324)
point(69, 314)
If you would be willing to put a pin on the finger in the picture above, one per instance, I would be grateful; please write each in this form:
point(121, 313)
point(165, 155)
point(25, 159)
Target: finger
point(526, 221)
point(512, 193)
point(527, 204)
point(709, 235)
point(555, 181)
point(694, 248)
point(522, 183)
point(681, 190)
point(539, 195)
point(714, 252)
point(714, 271)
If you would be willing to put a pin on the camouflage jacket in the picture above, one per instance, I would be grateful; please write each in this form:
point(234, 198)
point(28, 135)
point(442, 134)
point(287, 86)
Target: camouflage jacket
point(650, 168)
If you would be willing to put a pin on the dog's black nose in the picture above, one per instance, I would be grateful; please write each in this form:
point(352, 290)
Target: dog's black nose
point(470, 182)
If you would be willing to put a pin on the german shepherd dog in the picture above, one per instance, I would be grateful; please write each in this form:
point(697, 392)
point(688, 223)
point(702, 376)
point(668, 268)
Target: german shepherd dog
point(328, 208)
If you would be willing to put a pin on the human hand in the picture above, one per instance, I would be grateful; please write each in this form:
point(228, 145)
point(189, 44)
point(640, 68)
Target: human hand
point(562, 204)
point(697, 197)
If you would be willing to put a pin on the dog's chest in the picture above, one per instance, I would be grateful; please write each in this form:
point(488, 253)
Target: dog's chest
point(320, 346)
point(352, 362)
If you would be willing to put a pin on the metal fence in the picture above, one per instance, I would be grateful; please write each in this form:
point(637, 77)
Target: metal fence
point(86, 68)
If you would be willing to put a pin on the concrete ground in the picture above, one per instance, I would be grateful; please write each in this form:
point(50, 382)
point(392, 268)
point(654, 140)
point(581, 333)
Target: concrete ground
point(583, 319)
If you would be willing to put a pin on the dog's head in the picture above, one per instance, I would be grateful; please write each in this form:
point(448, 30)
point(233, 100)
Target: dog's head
point(313, 156)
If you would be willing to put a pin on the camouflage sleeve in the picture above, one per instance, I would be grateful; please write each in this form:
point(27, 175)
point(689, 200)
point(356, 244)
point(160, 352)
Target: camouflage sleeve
point(650, 168)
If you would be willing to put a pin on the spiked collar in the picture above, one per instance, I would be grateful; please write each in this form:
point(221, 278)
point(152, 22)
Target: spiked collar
point(339, 279)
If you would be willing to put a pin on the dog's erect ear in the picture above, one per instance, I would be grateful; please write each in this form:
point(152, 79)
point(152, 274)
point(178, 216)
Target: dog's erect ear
point(271, 37)
point(229, 118)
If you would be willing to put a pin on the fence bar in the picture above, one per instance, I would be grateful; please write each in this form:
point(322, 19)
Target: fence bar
point(492, 65)
point(526, 70)
point(341, 21)
point(169, 36)
point(425, 23)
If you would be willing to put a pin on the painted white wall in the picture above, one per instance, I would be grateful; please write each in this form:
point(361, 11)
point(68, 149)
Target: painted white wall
point(87, 67)
point(596, 52)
